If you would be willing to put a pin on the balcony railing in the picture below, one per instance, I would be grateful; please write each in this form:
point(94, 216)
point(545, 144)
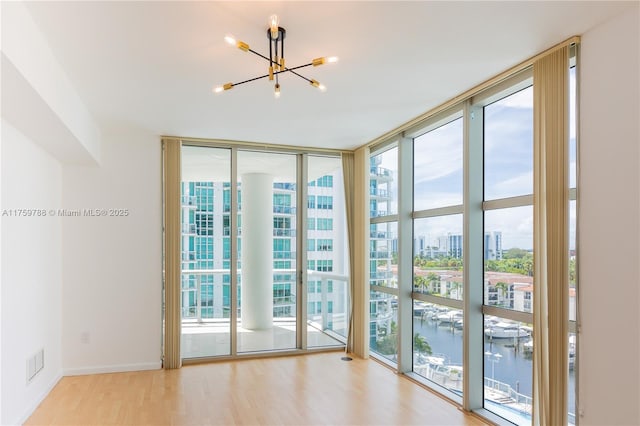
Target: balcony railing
point(379, 235)
point(284, 210)
point(280, 232)
point(380, 172)
point(378, 192)
point(323, 320)
point(380, 255)
point(378, 213)
point(285, 186)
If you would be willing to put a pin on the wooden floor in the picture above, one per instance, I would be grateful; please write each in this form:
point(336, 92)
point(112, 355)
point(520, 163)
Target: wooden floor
point(318, 389)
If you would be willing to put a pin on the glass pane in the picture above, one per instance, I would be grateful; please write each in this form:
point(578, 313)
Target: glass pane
point(572, 260)
point(205, 279)
point(572, 378)
point(572, 128)
point(508, 146)
point(383, 254)
point(508, 369)
point(267, 298)
point(328, 271)
point(437, 170)
point(508, 258)
point(437, 344)
point(438, 256)
point(383, 183)
point(383, 326)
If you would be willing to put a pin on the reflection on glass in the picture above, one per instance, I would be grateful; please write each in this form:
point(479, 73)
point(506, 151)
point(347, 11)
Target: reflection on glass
point(327, 266)
point(508, 258)
point(383, 309)
point(508, 146)
point(267, 298)
point(438, 256)
point(383, 183)
point(437, 344)
point(508, 369)
point(383, 254)
point(205, 298)
point(437, 170)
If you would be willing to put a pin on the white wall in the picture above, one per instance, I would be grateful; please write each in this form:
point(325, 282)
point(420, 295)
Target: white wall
point(31, 273)
point(609, 210)
point(112, 265)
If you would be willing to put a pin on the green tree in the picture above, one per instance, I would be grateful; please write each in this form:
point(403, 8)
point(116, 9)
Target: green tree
point(388, 344)
point(514, 253)
point(421, 345)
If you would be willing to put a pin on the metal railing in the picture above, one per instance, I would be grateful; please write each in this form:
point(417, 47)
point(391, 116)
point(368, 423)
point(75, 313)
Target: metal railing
point(195, 278)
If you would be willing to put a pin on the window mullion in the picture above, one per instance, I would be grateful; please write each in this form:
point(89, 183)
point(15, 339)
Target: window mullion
point(405, 256)
point(473, 374)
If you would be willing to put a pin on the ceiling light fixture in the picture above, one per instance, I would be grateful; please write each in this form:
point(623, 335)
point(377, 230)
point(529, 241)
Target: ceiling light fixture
point(276, 35)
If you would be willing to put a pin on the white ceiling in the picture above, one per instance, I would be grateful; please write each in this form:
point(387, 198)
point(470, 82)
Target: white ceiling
point(153, 64)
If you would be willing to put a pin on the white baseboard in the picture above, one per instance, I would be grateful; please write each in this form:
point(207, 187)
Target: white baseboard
point(37, 401)
point(120, 368)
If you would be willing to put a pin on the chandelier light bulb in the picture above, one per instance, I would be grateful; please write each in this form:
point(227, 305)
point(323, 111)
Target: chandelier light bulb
point(230, 39)
point(316, 84)
point(277, 91)
point(274, 23)
point(321, 61)
point(222, 88)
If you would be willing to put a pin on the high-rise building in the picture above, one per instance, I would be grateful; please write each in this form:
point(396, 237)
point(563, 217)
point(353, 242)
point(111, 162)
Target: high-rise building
point(206, 247)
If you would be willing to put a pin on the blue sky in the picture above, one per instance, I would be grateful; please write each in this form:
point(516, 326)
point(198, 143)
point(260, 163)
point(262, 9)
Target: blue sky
point(438, 172)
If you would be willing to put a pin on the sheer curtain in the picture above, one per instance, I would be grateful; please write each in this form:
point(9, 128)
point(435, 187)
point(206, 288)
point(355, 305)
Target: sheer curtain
point(171, 204)
point(551, 238)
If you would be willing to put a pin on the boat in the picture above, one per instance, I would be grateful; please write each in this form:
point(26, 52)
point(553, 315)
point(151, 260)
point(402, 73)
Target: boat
point(505, 330)
point(449, 317)
point(437, 369)
point(527, 348)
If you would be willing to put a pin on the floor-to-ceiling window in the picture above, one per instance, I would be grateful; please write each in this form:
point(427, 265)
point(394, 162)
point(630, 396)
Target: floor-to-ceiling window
point(508, 251)
point(383, 251)
point(327, 256)
point(472, 259)
point(253, 278)
point(438, 255)
point(205, 290)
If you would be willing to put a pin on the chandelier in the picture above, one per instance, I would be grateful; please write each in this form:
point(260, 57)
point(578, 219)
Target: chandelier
point(276, 35)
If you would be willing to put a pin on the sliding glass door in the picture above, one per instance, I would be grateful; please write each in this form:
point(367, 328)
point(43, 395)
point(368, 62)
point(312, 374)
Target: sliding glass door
point(267, 251)
point(205, 277)
point(253, 279)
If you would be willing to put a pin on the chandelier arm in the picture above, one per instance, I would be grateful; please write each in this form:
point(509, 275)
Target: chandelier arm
point(294, 68)
point(251, 79)
point(299, 75)
point(271, 61)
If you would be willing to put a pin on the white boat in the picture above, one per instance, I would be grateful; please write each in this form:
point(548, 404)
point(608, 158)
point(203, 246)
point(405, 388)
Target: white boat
point(505, 330)
point(449, 317)
point(527, 347)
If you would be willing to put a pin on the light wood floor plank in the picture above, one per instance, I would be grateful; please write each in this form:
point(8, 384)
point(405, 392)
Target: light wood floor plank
point(318, 389)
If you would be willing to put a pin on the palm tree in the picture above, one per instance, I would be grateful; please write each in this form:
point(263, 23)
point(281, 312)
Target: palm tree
point(503, 287)
point(434, 281)
point(421, 345)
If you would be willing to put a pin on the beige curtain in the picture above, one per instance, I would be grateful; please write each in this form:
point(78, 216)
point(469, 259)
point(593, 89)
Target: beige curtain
point(348, 179)
point(172, 316)
point(551, 236)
